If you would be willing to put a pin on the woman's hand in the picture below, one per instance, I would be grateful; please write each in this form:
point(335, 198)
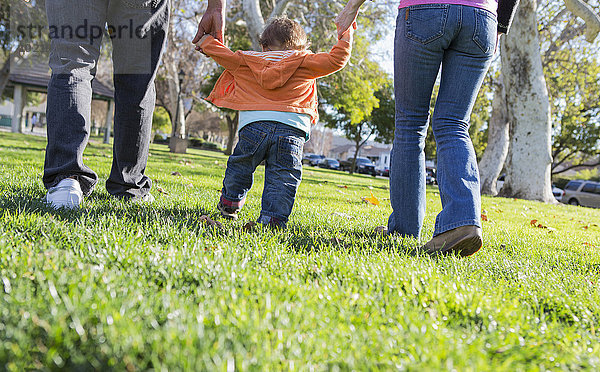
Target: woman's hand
point(348, 35)
point(347, 16)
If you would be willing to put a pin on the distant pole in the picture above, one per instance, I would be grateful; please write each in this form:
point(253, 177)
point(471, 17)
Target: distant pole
point(18, 104)
point(109, 120)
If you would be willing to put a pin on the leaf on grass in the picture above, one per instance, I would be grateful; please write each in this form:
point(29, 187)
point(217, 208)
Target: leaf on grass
point(371, 199)
point(250, 226)
point(484, 217)
point(342, 186)
point(159, 189)
point(176, 174)
point(535, 223)
point(210, 222)
point(380, 230)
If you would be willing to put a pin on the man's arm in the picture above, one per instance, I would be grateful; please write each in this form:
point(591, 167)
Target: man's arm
point(212, 22)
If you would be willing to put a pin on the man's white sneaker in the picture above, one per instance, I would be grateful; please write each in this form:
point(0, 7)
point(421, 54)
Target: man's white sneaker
point(67, 194)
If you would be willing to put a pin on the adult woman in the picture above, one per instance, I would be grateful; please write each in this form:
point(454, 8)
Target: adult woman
point(460, 36)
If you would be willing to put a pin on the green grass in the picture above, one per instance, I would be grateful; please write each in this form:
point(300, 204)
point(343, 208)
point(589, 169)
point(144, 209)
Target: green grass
point(136, 287)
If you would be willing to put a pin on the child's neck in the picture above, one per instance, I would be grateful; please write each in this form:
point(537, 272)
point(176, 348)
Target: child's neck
point(273, 48)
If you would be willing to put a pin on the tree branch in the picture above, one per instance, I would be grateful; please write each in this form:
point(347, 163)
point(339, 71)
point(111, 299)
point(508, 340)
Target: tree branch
point(280, 8)
point(592, 21)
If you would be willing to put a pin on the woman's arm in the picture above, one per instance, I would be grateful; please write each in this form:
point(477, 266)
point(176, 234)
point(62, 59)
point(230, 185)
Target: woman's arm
point(506, 13)
point(347, 16)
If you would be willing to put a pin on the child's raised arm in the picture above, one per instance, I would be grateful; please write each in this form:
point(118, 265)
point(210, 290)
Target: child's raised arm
point(323, 64)
point(215, 49)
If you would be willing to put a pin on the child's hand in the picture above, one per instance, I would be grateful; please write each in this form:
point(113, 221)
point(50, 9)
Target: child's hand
point(348, 35)
point(201, 41)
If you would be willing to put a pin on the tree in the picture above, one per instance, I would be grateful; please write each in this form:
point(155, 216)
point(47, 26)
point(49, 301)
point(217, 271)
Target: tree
point(528, 101)
point(179, 56)
point(573, 78)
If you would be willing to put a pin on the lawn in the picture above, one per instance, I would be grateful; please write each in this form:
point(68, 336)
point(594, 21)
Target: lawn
point(136, 287)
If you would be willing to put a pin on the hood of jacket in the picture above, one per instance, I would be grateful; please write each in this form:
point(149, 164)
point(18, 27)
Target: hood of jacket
point(273, 74)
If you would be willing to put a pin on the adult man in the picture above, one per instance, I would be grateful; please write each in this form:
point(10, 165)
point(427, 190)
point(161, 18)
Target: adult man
point(138, 30)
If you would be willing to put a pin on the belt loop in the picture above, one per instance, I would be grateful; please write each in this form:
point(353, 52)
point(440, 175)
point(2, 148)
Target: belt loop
point(406, 16)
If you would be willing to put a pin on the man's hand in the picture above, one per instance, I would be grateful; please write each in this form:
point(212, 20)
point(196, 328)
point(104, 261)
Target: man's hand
point(347, 16)
point(348, 35)
point(212, 22)
point(199, 43)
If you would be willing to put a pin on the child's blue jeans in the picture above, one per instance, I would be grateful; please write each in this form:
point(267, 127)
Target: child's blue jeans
point(280, 146)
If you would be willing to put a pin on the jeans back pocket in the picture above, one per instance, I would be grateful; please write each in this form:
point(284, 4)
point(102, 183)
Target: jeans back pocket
point(289, 151)
point(485, 33)
point(426, 23)
point(250, 140)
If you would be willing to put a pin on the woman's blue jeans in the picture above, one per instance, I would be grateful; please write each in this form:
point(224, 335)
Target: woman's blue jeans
point(461, 40)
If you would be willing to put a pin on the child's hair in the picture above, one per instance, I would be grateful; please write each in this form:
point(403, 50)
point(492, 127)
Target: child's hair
point(285, 33)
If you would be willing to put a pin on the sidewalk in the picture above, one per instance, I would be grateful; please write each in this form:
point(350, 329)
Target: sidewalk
point(40, 132)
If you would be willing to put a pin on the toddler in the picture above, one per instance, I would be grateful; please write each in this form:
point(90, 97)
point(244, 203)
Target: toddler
point(275, 92)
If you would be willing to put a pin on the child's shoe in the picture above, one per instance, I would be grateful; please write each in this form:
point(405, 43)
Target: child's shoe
point(228, 212)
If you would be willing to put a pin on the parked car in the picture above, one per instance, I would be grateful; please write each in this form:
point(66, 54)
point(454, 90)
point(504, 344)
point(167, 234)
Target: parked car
point(558, 193)
point(384, 171)
point(312, 159)
point(584, 193)
point(430, 177)
point(329, 163)
point(363, 165)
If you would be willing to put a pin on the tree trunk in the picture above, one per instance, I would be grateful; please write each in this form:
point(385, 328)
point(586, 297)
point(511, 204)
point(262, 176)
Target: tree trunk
point(495, 153)
point(4, 75)
point(592, 21)
point(232, 127)
point(529, 158)
point(254, 21)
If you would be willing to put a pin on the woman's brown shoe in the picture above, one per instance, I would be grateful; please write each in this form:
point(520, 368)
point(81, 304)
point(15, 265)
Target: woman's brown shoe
point(464, 241)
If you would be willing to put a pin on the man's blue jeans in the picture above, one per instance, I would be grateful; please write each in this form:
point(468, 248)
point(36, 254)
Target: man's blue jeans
point(137, 29)
point(460, 39)
point(280, 146)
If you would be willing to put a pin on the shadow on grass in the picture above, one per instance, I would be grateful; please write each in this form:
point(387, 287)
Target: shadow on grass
point(27, 200)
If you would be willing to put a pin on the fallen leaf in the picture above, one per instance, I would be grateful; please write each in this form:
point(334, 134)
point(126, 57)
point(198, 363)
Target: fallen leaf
point(484, 217)
point(209, 222)
point(371, 199)
point(162, 191)
point(176, 174)
point(381, 230)
point(342, 186)
point(250, 226)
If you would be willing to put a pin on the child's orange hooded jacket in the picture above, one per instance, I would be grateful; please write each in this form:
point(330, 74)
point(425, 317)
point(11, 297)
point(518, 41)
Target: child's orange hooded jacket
point(252, 82)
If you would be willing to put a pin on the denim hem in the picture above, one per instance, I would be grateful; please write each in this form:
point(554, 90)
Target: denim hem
point(270, 219)
point(455, 225)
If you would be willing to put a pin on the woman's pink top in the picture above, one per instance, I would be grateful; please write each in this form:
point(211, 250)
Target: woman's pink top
point(489, 5)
